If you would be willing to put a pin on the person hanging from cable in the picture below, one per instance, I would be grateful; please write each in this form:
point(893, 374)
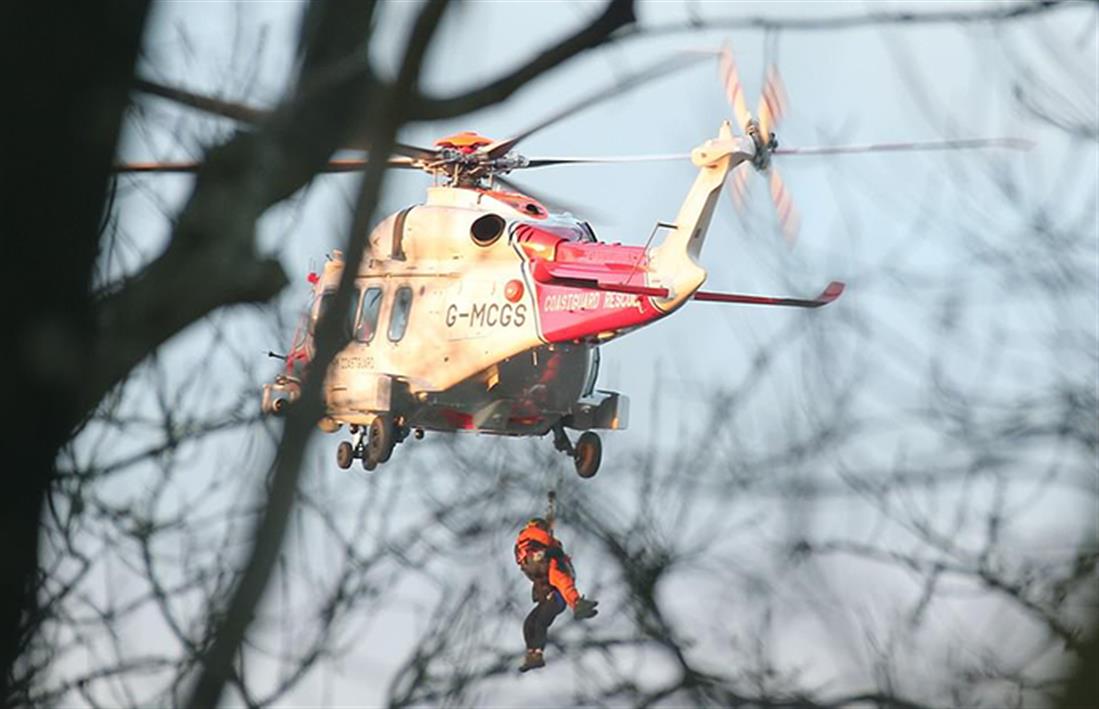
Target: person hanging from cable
point(543, 559)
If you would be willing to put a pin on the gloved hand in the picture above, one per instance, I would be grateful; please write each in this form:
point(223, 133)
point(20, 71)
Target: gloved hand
point(585, 609)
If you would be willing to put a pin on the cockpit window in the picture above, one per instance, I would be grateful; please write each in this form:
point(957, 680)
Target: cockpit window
point(323, 304)
point(398, 321)
point(368, 322)
point(352, 314)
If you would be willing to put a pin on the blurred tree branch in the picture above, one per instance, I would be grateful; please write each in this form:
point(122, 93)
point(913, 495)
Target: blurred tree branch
point(672, 520)
point(990, 13)
point(384, 123)
point(213, 243)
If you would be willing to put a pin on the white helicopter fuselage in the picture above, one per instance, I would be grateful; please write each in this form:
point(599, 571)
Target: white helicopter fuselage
point(445, 331)
point(479, 310)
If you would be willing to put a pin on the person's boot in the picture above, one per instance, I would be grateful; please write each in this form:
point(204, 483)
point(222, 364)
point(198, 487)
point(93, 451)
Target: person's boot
point(585, 609)
point(532, 661)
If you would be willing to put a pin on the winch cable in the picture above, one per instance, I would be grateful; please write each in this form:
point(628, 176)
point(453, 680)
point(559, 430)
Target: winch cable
point(551, 509)
point(553, 483)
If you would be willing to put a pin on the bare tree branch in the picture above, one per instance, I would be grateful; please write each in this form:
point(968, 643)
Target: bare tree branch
point(995, 13)
point(618, 14)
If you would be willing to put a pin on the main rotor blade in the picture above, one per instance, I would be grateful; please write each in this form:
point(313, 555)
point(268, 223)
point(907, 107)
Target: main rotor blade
point(248, 114)
point(340, 165)
point(655, 71)
point(553, 203)
point(180, 167)
point(411, 151)
point(355, 164)
point(546, 162)
point(961, 144)
point(734, 89)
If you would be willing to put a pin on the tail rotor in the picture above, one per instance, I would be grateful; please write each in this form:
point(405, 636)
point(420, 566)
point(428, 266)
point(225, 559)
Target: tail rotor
point(772, 107)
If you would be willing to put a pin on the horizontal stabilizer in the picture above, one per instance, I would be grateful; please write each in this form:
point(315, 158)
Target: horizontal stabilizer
point(573, 275)
point(830, 293)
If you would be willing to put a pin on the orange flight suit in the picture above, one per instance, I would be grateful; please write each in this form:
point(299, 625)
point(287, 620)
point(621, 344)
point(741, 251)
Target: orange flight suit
point(544, 561)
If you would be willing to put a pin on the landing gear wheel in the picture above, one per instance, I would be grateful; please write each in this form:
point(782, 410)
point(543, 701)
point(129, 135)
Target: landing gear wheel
point(588, 454)
point(344, 455)
point(380, 444)
point(369, 463)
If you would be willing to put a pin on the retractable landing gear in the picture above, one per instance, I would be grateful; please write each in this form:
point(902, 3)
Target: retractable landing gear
point(380, 445)
point(344, 455)
point(372, 444)
point(587, 454)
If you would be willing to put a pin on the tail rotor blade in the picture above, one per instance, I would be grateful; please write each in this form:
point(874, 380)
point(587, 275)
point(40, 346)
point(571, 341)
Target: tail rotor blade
point(788, 218)
point(734, 89)
point(772, 103)
point(738, 188)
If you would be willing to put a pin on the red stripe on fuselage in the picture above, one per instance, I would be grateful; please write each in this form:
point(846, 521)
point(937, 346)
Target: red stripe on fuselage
point(570, 312)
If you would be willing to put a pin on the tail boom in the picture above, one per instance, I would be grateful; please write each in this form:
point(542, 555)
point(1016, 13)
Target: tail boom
point(676, 259)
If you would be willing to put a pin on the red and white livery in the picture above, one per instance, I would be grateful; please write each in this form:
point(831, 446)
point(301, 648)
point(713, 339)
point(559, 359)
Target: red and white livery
point(482, 310)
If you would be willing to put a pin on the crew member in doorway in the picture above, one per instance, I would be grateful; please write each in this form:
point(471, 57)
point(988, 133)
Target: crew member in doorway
point(544, 561)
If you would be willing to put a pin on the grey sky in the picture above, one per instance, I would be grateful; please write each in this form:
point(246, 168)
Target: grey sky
point(865, 219)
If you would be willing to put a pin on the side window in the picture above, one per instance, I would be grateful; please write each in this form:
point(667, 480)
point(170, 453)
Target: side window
point(398, 320)
point(368, 323)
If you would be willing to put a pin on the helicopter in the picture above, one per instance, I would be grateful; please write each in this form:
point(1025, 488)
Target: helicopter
point(483, 310)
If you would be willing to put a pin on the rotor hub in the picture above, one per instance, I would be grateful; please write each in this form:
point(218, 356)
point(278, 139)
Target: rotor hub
point(463, 167)
point(765, 145)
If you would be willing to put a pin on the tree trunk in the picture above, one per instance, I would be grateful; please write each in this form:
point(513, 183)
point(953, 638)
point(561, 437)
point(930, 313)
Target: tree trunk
point(69, 72)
